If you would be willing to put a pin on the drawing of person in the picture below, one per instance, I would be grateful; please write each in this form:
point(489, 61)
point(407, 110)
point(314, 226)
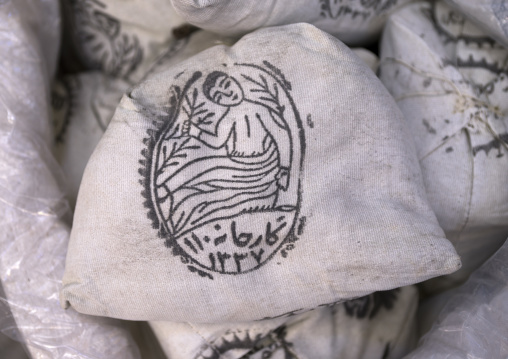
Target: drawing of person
point(255, 169)
point(243, 137)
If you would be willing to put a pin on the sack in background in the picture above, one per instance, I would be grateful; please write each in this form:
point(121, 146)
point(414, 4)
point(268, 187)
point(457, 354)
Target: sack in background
point(449, 79)
point(380, 325)
point(120, 38)
point(82, 105)
point(185, 48)
point(354, 22)
point(489, 15)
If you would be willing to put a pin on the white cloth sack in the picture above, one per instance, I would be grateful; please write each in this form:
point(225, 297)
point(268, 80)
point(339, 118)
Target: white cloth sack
point(245, 183)
point(490, 15)
point(33, 238)
point(450, 82)
point(474, 322)
point(380, 325)
point(356, 22)
point(121, 38)
point(186, 47)
point(82, 105)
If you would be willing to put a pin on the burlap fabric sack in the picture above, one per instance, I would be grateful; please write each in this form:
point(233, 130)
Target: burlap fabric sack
point(248, 182)
point(120, 38)
point(381, 325)
point(82, 106)
point(355, 22)
point(450, 81)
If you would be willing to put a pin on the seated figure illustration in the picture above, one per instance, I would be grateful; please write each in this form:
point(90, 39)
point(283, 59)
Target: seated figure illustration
point(246, 163)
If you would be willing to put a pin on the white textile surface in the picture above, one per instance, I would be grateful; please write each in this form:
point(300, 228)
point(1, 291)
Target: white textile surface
point(380, 325)
point(356, 22)
point(246, 183)
point(450, 81)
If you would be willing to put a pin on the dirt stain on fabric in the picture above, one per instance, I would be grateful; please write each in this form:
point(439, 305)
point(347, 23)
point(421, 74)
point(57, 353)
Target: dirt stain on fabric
point(429, 128)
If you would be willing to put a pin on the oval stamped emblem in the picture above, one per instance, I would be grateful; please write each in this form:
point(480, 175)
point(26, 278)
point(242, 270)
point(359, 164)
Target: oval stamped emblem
point(222, 168)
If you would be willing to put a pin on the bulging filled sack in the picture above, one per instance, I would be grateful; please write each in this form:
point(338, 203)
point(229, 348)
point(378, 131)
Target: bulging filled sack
point(251, 181)
point(356, 22)
point(120, 38)
point(380, 325)
point(449, 79)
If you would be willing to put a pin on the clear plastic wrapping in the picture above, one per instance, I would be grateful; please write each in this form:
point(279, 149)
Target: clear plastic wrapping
point(33, 239)
point(474, 322)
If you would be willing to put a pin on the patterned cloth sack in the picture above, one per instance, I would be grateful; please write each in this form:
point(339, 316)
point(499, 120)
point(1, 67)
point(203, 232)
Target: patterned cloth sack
point(450, 81)
point(121, 38)
point(355, 22)
point(245, 183)
point(82, 105)
point(490, 15)
point(380, 325)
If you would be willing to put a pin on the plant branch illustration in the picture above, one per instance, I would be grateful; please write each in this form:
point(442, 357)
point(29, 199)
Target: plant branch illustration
point(268, 94)
point(174, 152)
point(173, 157)
point(194, 110)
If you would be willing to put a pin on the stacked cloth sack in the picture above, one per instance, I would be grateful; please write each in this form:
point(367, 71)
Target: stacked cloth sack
point(243, 182)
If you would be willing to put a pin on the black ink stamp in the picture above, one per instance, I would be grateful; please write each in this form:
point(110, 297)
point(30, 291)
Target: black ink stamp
point(363, 9)
point(222, 170)
point(450, 25)
point(105, 45)
point(270, 345)
point(478, 52)
point(370, 305)
point(496, 143)
point(63, 98)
